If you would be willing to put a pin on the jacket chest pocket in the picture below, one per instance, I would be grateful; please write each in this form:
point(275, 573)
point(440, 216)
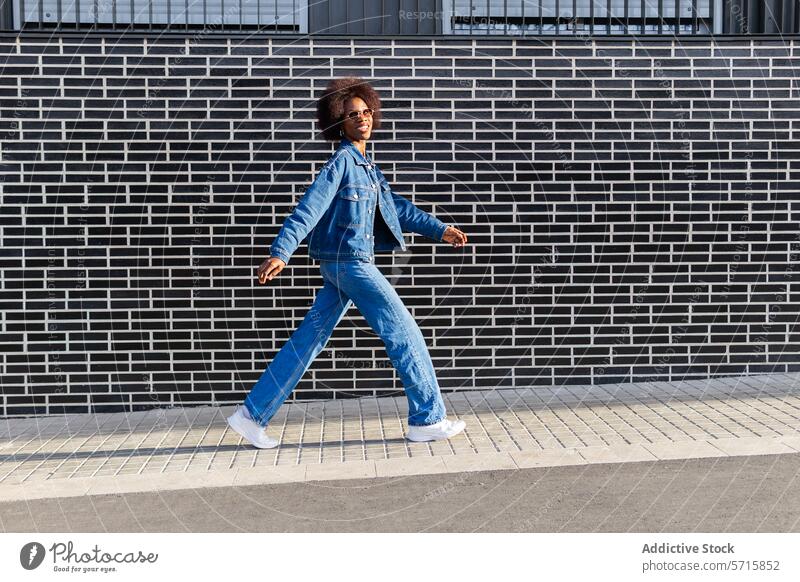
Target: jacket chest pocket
point(352, 207)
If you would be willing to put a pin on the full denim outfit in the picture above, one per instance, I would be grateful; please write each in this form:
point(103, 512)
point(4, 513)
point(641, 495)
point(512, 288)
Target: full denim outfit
point(347, 215)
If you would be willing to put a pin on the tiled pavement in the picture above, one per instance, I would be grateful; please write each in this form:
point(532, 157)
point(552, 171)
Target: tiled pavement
point(85, 454)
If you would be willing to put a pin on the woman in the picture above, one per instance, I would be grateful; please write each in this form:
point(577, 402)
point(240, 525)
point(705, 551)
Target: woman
point(347, 214)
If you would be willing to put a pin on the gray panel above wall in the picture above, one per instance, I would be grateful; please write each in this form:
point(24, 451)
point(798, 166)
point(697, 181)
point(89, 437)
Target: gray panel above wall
point(376, 19)
point(382, 17)
point(761, 16)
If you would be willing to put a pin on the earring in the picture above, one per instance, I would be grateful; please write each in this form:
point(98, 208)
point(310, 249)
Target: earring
point(340, 132)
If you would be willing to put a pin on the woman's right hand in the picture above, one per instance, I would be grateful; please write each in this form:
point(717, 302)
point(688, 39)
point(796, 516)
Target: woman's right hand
point(269, 268)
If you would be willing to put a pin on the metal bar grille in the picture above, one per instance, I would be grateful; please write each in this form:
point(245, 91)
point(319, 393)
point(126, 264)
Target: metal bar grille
point(276, 16)
point(581, 16)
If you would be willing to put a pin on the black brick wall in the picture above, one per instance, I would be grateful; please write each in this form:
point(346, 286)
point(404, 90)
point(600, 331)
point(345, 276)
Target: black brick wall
point(632, 208)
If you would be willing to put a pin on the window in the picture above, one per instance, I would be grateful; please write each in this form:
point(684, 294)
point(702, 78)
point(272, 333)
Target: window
point(581, 16)
point(268, 15)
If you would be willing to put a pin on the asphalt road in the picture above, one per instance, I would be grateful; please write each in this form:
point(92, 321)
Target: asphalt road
point(723, 494)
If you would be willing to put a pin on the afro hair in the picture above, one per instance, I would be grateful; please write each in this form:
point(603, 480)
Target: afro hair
point(330, 107)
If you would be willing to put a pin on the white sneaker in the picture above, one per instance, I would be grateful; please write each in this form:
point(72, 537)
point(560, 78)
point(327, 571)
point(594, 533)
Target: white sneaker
point(443, 429)
point(250, 430)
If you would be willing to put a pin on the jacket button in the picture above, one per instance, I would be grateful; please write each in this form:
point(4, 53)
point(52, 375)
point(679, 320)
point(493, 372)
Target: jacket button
point(355, 195)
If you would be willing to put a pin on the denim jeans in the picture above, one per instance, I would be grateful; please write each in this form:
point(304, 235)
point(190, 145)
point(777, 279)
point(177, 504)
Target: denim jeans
point(345, 283)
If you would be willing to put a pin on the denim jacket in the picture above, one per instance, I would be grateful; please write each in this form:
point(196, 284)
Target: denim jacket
point(350, 212)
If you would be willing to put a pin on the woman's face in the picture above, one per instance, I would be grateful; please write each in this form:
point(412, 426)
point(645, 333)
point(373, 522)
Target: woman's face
point(359, 127)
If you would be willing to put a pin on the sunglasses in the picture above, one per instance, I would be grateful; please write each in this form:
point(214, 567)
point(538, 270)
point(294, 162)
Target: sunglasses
point(355, 114)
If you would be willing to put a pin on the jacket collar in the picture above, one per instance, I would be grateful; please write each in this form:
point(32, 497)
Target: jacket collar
point(354, 151)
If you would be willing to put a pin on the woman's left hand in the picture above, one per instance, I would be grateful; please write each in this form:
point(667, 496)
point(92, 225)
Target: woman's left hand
point(454, 236)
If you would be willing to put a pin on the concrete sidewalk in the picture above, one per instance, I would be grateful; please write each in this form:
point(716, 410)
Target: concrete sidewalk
point(161, 449)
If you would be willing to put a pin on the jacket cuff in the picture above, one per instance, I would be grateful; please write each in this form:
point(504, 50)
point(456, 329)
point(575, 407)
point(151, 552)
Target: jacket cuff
point(439, 232)
point(279, 253)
